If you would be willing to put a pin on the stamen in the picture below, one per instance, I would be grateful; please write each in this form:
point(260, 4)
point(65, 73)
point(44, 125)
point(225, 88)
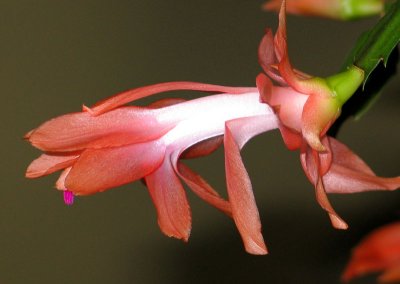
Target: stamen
point(68, 197)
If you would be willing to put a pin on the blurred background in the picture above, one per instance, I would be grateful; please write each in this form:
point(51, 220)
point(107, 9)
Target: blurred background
point(57, 55)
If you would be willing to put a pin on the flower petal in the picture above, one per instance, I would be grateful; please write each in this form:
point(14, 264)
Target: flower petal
point(141, 92)
point(48, 163)
point(391, 275)
point(101, 169)
point(60, 184)
point(267, 58)
point(78, 131)
point(350, 174)
point(314, 164)
point(203, 148)
point(292, 139)
point(296, 79)
point(241, 198)
point(200, 187)
point(319, 112)
point(169, 198)
point(380, 250)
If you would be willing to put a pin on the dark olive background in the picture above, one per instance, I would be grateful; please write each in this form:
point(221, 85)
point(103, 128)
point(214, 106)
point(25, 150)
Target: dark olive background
point(56, 55)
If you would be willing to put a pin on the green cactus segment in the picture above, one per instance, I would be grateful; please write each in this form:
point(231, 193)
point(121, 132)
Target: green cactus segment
point(376, 45)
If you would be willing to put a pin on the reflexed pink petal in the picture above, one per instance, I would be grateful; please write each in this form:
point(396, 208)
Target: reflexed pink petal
point(138, 93)
point(325, 158)
point(265, 88)
point(281, 51)
point(294, 78)
point(77, 131)
point(241, 198)
point(313, 163)
point(323, 201)
point(344, 180)
point(292, 139)
point(47, 164)
point(350, 174)
point(199, 186)
point(101, 169)
point(380, 250)
point(267, 58)
point(319, 112)
point(60, 184)
point(203, 148)
point(343, 156)
point(169, 198)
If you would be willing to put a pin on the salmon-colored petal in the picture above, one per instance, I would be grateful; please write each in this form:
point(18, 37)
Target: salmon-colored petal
point(313, 163)
point(379, 250)
point(48, 163)
point(350, 174)
point(169, 198)
point(267, 58)
point(323, 201)
point(199, 186)
point(292, 139)
point(265, 88)
point(241, 198)
point(319, 112)
point(343, 156)
point(340, 179)
point(60, 183)
point(78, 131)
point(101, 169)
point(281, 52)
point(296, 79)
point(203, 148)
point(141, 92)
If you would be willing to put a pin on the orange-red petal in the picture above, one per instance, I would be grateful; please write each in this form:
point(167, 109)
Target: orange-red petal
point(380, 250)
point(241, 198)
point(77, 131)
point(101, 169)
point(349, 173)
point(200, 187)
point(48, 163)
point(169, 198)
point(315, 164)
point(203, 148)
point(141, 92)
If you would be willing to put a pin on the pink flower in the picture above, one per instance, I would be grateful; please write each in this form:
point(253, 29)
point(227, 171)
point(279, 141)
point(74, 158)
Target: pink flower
point(334, 9)
point(378, 251)
point(307, 106)
point(110, 145)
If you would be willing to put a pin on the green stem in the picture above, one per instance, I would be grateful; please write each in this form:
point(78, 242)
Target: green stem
point(376, 45)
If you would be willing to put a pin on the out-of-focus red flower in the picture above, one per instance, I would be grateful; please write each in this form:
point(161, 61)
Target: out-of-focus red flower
point(307, 106)
point(109, 145)
point(378, 251)
point(334, 9)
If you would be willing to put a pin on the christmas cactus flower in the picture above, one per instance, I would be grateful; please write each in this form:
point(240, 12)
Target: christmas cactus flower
point(307, 106)
point(110, 144)
point(378, 251)
point(334, 9)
